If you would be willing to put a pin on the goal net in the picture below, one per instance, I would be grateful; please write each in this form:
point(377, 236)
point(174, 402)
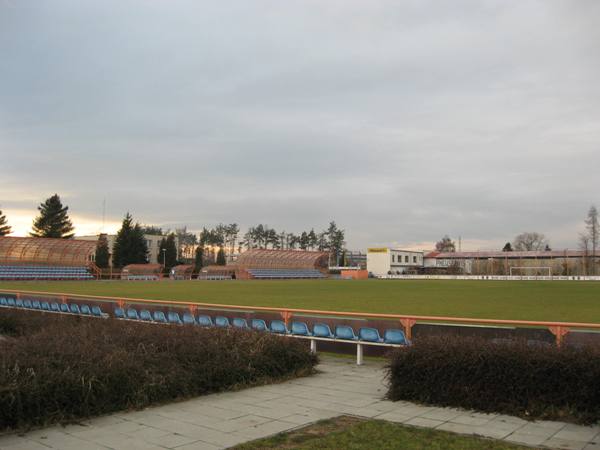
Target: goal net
point(531, 271)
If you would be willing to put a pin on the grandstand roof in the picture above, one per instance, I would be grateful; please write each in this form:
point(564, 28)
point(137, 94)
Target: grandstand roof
point(282, 259)
point(510, 255)
point(142, 269)
point(46, 251)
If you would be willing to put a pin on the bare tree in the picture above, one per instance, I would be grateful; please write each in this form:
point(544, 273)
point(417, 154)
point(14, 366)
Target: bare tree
point(445, 245)
point(530, 241)
point(584, 246)
point(593, 234)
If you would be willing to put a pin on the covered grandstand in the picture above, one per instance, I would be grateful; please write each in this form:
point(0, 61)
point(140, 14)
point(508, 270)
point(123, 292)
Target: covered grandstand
point(281, 264)
point(29, 258)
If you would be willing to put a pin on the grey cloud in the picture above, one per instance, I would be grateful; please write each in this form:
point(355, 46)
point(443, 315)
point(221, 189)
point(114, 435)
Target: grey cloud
point(401, 120)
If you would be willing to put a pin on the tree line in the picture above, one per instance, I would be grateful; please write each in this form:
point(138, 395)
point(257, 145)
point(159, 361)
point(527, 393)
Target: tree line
point(535, 241)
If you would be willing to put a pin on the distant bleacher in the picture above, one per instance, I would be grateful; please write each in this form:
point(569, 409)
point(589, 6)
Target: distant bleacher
point(285, 273)
point(32, 272)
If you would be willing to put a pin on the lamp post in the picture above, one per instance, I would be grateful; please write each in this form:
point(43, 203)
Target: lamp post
point(164, 250)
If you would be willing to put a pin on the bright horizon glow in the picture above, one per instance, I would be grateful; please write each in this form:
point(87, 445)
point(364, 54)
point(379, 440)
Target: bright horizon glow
point(21, 222)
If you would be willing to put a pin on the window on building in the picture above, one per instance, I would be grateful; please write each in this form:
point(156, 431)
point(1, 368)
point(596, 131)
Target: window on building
point(405, 258)
point(393, 258)
point(414, 259)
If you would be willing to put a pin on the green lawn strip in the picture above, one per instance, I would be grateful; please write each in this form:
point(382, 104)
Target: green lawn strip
point(357, 434)
point(518, 300)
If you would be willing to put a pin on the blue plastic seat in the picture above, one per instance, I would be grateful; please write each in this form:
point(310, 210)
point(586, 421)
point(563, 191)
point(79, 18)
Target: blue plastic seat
point(97, 311)
point(322, 330)
point(221, 321)
point(3, 302)
point(19, 303)
point(85, 310)
point(258, 325)
point(159, 317)
point(173, 317)
point(188, 319)
point(64, 308)
point(45, 306)
point(54, 307)
point(36, 304)
point(119, 313)
point(345, 332)
point(27, 304)
point(395, 336)
point(239, 322)
point(205, 321)
point(11, 302)
point(132, 314)
point(369, 335)
point(145, 315)
point(278, 327)
point(75, 308)
point(300, 329)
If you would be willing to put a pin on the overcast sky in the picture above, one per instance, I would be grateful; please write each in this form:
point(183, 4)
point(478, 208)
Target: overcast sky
point(401, 120)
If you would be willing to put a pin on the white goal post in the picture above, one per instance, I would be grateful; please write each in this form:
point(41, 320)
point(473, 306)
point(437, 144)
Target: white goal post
point(534, 269)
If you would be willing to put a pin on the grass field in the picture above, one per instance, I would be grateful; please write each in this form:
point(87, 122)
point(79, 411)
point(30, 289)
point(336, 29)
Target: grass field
point(357, 434)
point(525, 300)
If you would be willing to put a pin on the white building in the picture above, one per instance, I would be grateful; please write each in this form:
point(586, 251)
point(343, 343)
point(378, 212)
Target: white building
point(385, 261)
point(152, 242)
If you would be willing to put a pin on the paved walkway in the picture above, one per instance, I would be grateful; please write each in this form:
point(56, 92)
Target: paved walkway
point(223, 420)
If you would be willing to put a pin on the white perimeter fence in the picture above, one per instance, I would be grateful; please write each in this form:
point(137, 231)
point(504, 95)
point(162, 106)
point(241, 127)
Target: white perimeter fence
point(493, 277)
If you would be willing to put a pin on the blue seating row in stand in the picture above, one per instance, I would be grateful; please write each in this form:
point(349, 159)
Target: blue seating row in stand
point(320, 331)
point(65, 308)
point(285, 273)
point(30, 272)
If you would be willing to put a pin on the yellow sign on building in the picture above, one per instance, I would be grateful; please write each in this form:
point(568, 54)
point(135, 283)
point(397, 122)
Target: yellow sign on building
point(377, 250)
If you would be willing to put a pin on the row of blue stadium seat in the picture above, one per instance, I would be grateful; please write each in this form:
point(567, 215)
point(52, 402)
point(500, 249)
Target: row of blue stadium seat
point(72, 308)
point(301, 329)
point(45, 272)
point(285, 273)
point(45, 268)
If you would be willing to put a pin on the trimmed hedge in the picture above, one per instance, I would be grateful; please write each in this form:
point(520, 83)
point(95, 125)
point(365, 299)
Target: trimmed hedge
point(539, 381)
point(72, 367)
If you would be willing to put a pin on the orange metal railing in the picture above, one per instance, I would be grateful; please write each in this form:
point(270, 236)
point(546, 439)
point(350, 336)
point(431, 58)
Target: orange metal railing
point(558, 329)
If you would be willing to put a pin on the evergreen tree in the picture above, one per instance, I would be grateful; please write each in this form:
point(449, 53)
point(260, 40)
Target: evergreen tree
point(4, 227)
point(313, 240)
point(507, 247)
point(162, 252)
point(130, 245)
point(102, 252)
point(198, 259)
point(304, 241)
point(53, 221)
point(221, 257)
point(171, 252)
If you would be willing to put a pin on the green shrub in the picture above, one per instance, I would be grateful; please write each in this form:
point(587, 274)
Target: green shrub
point(514, 378)
point(74, 367)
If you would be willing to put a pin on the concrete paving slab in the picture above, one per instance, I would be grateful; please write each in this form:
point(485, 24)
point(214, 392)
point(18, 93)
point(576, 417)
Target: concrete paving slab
point(227, 419)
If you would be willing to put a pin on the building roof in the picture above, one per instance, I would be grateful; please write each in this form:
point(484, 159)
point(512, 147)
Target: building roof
point(46, 251)
point(282, 259)
point(503, 255)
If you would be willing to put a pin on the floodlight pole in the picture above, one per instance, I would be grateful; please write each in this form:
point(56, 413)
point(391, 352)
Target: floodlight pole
point(164, 250)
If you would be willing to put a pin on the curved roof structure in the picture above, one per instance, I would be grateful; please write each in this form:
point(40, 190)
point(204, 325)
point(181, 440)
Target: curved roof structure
point(282, 259)
point(46, 251)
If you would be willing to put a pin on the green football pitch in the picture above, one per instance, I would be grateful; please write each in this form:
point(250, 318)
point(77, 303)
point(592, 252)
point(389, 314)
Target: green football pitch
point(524, 300)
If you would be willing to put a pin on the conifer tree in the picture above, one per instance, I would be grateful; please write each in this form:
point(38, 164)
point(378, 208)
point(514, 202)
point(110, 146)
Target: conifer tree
point(198, 259)
point(4, 227)
point(53, 220)
point(221, 257)
point(130, 245)
point(167, 252)
point(102, 252)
